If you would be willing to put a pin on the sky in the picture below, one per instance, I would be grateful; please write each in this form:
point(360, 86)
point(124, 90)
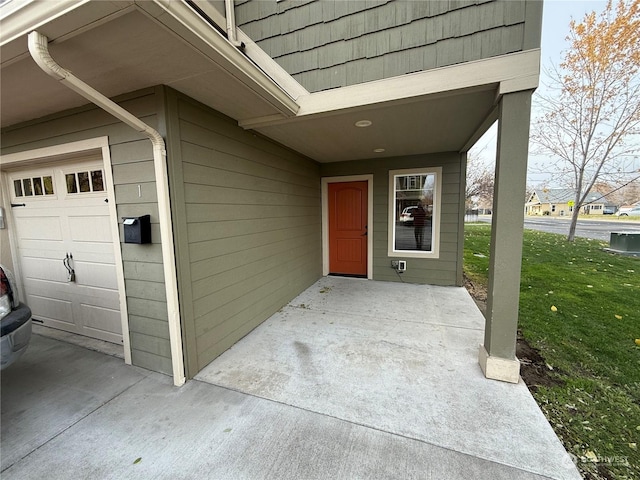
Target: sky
point(555, 27)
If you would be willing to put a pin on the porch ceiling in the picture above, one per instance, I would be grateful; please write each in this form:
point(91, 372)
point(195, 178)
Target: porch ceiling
point(431, 124)
point(119, 47)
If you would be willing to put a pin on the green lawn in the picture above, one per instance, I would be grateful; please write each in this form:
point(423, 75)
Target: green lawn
point(580, 308)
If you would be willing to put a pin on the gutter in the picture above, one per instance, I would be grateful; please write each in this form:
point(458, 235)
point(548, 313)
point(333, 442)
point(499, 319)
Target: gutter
point(227, 56)
point(19, 17)
point(39, 49)
point(232, 35)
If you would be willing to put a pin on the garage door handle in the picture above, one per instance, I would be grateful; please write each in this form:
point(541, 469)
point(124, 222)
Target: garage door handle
point(18, 205)
point(67, 264)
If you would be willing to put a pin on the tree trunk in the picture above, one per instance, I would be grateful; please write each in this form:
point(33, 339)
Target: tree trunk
point(574, 222)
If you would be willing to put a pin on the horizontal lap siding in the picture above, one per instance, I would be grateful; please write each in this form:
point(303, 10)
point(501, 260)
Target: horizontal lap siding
point(440, 271)
point(251, 232)
point(332, 43)
point(132, 164)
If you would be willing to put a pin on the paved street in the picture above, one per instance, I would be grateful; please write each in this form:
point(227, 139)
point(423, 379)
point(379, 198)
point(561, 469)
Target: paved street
point(594, 229)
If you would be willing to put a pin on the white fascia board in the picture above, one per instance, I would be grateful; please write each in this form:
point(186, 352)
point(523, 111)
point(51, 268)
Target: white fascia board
point(519, 71)
point(271, 67)
point(267, 64)
point(19, 17)
point(237, 64)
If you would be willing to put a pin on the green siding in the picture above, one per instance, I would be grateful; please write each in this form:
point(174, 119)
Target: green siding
point(445, 270)
point(247, 221)
point(324, 43)
point(132, 163)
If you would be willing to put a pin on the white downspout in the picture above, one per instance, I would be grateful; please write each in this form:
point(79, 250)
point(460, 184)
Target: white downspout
point(230, 14)
point(38, 47)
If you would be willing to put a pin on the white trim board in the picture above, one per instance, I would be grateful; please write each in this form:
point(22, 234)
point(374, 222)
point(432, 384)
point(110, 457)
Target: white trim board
point(436, 217)
point(508, 73)
point(325, 181)
point(68, 151)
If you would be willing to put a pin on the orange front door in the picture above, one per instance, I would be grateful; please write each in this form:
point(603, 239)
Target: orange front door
point(348, 228)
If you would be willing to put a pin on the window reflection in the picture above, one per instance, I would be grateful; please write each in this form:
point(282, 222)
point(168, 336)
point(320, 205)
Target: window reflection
point(27, 187)
point(96, 181)
point(17, 186)
point(83, 180)
point(48, 185)
point(37, 186)
point(413, 198)
point(72, 186)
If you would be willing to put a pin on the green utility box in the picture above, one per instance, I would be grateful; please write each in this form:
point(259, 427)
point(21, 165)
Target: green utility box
point(627, 242)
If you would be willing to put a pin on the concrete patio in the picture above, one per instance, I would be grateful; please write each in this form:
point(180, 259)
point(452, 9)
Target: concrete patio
point(352, 379)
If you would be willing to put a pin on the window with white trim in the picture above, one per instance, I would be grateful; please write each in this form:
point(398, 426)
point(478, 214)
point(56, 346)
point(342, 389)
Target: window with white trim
point(414, 212)
point(33, 186)
point(84, 182)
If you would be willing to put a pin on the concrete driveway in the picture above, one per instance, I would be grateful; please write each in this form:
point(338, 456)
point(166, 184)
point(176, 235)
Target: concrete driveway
point(353, 379)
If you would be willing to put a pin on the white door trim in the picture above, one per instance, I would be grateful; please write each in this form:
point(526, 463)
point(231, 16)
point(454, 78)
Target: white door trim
point(64, 151)
point(325, 181)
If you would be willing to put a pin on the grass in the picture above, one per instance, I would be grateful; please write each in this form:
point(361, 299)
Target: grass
point(580, 308)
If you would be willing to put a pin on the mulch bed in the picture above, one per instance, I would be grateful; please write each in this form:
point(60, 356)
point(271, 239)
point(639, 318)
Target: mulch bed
point(533, 369)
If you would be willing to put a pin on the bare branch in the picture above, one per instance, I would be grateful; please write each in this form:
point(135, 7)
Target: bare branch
point(590, 117)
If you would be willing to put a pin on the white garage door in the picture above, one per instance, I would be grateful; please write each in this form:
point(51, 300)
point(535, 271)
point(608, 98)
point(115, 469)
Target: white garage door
point(65, 248)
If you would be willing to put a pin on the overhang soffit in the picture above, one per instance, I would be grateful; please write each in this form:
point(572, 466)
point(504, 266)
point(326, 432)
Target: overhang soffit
point(504, 74)
point(92, 37)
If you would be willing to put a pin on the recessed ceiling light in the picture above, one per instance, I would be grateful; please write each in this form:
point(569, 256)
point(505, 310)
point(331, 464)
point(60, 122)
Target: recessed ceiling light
point(363, 123)
point(378, 150)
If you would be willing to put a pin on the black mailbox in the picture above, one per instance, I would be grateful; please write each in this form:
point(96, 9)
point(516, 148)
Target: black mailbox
point(137, 229)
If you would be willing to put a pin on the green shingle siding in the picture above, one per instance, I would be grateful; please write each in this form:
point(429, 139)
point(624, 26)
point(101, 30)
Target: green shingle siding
point(317, 42)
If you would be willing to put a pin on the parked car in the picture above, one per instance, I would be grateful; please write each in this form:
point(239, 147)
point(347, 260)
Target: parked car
point(15, 321)
point(633, 212)
point(405, 217)
point(609, 210)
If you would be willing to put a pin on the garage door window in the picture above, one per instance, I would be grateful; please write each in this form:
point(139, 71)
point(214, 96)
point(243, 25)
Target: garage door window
point(33, 186)
point(85, 182)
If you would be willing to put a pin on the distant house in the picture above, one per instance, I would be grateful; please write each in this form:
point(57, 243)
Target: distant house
point(558, 202)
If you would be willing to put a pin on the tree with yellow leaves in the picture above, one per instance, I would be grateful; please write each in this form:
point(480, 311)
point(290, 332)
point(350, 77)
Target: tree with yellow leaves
point(591, 114)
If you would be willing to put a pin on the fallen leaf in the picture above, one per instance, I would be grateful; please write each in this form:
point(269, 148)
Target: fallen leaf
point(592, 457)
point(619, 317)
point(137, 460)
point(554, 308)
point(226, 430)
point(633, 445)
point(589, 286)
point(638, 341)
